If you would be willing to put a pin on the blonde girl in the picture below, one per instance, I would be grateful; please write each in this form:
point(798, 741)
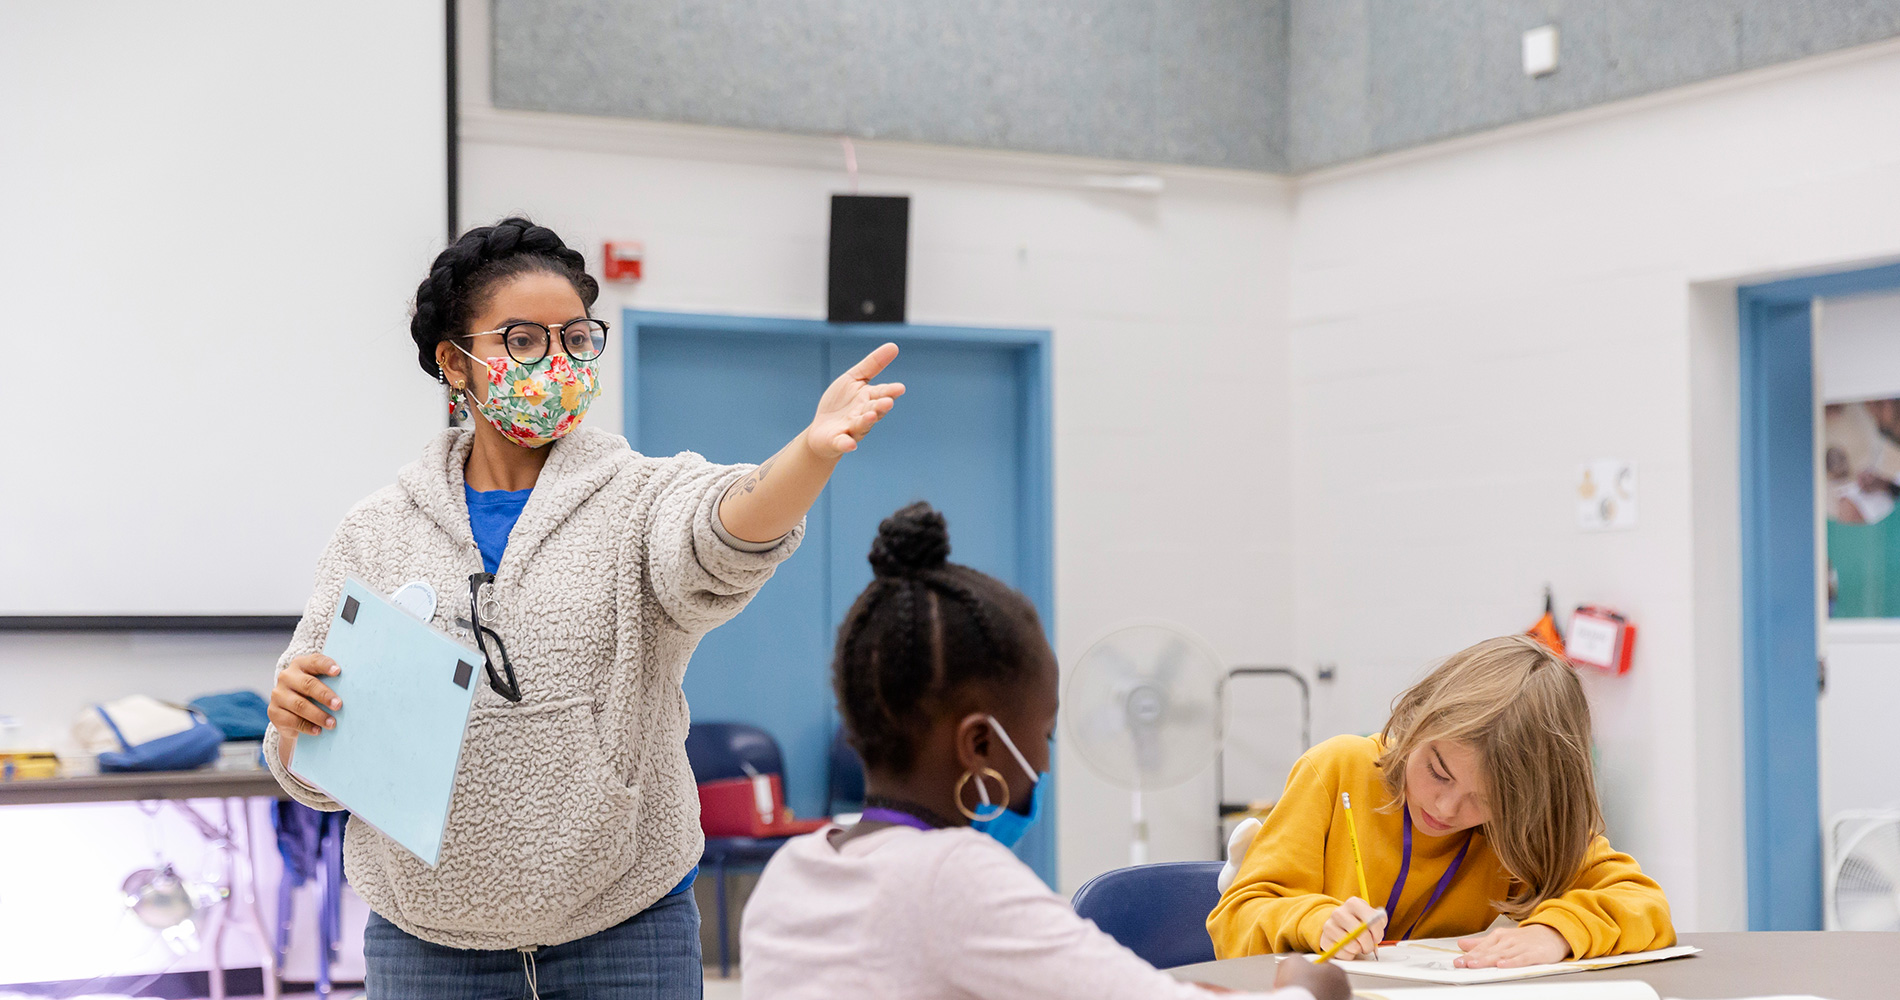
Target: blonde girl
point(1476, 801)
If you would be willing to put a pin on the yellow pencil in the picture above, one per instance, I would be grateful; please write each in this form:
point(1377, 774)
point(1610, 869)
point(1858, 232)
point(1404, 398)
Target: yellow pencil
point(1327, 955)
point(1352, 833)
point(1358, 864)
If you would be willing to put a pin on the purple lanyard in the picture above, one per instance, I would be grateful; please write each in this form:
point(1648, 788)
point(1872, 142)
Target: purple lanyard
point(893, 817)
point(1405, 868)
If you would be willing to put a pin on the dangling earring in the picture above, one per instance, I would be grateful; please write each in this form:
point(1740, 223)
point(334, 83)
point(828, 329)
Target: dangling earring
point(982, 793)
point(458, 403)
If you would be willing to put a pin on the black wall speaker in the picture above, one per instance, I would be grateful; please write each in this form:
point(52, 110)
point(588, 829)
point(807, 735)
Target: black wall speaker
point(870, 250)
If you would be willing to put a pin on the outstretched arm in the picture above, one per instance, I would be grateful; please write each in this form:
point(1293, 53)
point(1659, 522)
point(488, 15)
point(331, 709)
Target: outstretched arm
point(769, 501)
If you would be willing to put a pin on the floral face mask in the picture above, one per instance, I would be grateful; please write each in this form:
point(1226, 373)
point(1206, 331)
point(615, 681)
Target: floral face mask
point(535, 404)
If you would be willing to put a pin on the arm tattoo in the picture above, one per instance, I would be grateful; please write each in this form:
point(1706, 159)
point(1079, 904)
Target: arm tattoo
point(751, 480)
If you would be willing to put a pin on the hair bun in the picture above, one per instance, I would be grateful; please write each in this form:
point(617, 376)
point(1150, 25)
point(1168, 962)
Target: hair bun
point(913, 540)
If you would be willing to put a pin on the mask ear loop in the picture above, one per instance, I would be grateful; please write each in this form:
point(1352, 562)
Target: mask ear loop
point(486, 364)
point(1021, 761)
point(982, 794)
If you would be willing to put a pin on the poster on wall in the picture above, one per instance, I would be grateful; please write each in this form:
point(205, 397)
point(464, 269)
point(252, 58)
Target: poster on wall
point(1861, 463)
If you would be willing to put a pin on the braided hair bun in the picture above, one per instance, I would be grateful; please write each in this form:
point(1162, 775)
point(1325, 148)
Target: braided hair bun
point(463, 275)
point(923, 631)
point(911, 541)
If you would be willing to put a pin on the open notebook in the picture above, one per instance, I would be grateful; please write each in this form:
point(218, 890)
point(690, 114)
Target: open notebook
point(1428, 960)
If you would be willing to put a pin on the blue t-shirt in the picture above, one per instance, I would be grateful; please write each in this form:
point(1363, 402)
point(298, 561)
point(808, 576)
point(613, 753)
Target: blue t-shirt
point(491, 517)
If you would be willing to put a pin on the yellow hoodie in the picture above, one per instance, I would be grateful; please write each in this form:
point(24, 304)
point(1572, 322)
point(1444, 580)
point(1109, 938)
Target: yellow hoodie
point(1300, 867)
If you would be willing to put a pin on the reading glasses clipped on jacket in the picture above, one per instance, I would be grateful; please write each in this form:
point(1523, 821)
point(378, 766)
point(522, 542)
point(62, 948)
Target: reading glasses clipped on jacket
point(493, 650)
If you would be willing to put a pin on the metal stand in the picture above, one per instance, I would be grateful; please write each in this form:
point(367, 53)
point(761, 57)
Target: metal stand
point(1222, 807)
point(240, 891)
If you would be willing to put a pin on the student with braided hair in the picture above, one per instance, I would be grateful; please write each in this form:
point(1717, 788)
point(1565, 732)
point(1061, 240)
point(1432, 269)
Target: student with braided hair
point(947, 687)
point(586, 573)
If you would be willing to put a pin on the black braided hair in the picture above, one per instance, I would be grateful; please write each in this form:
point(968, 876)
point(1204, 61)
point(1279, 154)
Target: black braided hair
point(462, 277)
point(925, 630)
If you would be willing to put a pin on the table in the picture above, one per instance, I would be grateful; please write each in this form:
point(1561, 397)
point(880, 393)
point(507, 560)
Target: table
point(226, 785)
point(1842, 965)
point(206, 783)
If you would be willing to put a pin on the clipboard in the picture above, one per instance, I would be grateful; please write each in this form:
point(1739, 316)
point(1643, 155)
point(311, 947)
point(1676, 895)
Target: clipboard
point(406, 690)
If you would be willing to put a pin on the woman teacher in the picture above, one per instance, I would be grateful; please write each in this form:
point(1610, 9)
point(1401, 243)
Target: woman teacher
point(586, 573)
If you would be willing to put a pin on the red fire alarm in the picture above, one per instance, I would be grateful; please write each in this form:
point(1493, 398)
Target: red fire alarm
point(621, 260)
point(1601, 638)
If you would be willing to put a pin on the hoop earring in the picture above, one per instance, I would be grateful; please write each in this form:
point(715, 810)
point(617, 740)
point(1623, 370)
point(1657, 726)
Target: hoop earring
point(982, 793)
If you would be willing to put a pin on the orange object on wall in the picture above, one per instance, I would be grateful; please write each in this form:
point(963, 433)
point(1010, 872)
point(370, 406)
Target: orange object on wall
point(1545, 631)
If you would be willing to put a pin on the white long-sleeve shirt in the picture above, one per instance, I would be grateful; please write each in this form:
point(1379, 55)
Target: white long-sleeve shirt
point(923, 915)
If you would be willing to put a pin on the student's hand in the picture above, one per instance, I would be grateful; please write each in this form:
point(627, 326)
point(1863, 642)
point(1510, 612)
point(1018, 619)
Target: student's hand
point(852, 405)
point(291, 709)
point(1512, 947)
point(1344, 918)
point(1325, 982)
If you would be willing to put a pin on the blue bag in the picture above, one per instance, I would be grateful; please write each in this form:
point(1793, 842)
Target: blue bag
point(240, 715)
point(193, 748)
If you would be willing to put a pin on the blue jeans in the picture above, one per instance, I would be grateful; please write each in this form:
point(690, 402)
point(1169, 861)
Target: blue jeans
point(654, 955)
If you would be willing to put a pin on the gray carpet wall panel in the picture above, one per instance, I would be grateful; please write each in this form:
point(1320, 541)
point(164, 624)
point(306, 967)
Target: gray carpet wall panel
point(1272, 85)
point(1169, 81)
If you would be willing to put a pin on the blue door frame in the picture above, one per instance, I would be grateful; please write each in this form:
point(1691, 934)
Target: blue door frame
point(1781, 735)
point(1037, 512)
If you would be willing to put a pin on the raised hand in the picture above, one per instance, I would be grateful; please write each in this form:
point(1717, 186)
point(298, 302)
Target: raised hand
point(851, 406)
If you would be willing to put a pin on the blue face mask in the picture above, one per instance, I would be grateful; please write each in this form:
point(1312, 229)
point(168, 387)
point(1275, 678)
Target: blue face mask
point(1007, 825)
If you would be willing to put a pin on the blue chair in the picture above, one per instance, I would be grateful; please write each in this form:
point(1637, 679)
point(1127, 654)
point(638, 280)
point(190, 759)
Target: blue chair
point(724, 750)
point(844, 776)
point(1156, 911)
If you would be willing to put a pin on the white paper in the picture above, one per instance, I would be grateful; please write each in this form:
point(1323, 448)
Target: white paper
point(1617, 990)
point(1428, 960)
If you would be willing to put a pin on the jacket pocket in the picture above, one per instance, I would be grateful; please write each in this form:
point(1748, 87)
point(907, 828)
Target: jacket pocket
point(539, 825)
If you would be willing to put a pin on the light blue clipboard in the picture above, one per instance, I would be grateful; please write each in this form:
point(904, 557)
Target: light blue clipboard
point(406, 691)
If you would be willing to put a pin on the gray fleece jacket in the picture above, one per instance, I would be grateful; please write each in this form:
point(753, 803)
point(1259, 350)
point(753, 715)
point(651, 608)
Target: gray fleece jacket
point(575, 808)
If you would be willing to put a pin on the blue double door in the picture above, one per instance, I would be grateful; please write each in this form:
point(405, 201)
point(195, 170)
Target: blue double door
point(969, 436)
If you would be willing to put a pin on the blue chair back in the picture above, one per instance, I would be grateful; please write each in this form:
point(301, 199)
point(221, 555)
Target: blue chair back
point(722, 749)
point(1156, 911)
point(844, 775)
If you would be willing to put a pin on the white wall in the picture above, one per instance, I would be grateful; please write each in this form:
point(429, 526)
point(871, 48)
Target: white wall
point(1171, 433)
point(1472, 321)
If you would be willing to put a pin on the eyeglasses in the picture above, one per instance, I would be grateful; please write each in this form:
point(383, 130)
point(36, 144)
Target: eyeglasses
point(489, 640)
point(527, 343)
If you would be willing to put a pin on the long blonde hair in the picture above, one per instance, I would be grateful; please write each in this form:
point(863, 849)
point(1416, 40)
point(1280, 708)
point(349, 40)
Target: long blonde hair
point(1520, 706)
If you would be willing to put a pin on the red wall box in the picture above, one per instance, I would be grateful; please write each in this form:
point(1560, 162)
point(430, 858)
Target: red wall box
point(1601, 638)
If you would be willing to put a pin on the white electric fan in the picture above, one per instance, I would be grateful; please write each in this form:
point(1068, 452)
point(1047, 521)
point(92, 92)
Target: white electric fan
point(1863, 883)
point(1141, 707)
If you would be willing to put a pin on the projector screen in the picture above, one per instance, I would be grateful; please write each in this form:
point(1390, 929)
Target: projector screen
point(217, 214)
